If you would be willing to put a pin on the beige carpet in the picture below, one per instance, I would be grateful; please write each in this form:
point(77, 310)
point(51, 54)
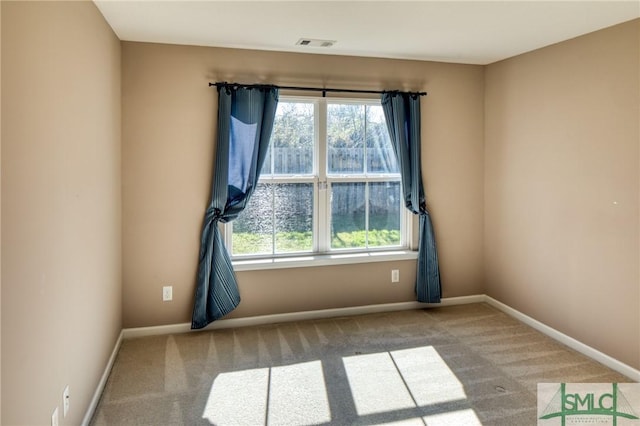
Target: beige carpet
point(457, 365)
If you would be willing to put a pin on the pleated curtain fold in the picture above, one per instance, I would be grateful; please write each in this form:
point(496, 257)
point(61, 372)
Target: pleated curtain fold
point(245, 122)
point(402, 114)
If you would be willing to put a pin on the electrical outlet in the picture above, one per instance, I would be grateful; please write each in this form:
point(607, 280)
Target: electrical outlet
point(54, 417)
point(395, 275)
point(167, 293)
point(65, 401)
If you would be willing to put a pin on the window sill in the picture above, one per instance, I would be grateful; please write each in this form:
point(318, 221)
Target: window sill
point(323, 260)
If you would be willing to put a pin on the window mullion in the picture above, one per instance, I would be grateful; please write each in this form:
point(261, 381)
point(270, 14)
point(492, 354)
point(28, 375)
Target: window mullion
point(367, 205)
point(364, 143)
point(324, 191)
point(272, 161)
point(273, 218)
point(406, 218)
point(272, 170)
point(228, 232)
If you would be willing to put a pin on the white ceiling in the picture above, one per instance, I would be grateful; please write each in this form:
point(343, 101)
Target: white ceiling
point(473, 32)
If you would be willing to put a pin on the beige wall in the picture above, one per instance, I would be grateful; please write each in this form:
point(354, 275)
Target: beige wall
point(561, 187)
point(61, 282)
point(168, 133)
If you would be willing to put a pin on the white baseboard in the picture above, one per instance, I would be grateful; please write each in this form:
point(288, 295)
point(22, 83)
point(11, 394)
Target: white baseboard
point(102, 383)
point(298, 316)
point(574, 344)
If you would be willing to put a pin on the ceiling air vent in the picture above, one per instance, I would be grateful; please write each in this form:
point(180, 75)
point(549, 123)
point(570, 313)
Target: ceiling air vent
point(315, 42)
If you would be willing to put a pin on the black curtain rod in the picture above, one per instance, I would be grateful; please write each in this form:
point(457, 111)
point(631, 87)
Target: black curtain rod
point(314, 89)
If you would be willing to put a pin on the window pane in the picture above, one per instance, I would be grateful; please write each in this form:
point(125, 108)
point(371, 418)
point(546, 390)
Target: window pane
point(380, 155)
point(253, 229)
point(293, 203)
point(361, 210)
point(291, 146)
point(348, 215)
point(345, 138)
point(384, 214)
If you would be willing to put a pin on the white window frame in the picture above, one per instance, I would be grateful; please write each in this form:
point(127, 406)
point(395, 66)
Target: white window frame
point(322, 253)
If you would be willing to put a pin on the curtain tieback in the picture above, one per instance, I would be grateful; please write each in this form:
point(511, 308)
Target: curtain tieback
point(423, 209)
point(422, 212)
point(213, 214)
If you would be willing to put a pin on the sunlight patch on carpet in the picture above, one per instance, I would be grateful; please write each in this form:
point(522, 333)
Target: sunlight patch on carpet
point(298, 395)
point(453, 418)
point(238, 398)
point(408, 378)
point(428, 377)
point(291, 394)
point(381, 382)
point(375, 384)
point(415, 421)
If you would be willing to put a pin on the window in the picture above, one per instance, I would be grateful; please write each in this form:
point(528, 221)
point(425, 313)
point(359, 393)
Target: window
point(329, 184)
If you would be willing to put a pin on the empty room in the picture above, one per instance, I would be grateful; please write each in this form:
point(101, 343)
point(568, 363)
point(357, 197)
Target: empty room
point(320, 213)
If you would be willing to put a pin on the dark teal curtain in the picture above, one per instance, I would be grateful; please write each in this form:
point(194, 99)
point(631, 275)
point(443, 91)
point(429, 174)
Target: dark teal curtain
point(245, 121)
point(402, 113)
